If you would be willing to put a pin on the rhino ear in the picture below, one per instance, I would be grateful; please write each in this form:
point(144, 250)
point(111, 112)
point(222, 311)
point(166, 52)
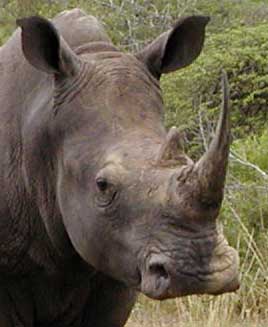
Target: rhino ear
point(44, 49)
point(176, 48)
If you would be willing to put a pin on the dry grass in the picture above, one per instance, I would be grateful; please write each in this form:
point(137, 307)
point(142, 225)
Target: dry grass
point(221, 311)
point(203, 323)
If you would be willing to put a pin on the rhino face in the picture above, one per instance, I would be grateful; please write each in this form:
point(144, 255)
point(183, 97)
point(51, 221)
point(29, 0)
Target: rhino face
point(133, 204)
point(151, 226)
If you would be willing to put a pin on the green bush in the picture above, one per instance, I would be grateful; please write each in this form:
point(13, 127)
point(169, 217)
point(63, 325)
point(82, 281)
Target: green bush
point(254, 150)
point(242, 52)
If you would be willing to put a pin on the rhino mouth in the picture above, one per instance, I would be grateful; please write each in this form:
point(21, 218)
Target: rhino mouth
point(163, 278)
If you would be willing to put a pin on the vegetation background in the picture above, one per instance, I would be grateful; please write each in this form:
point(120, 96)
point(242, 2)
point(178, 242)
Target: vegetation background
point(237, 40)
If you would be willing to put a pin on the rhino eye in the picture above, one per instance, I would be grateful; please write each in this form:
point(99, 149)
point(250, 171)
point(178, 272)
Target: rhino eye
point(102, 184)
point(107, 192)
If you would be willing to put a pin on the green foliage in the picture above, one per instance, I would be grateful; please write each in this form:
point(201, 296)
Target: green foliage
point(10, 10)
point(251, 149)
point(248, 183)
point(245, 217)
point(242, 52)
point(131, 23)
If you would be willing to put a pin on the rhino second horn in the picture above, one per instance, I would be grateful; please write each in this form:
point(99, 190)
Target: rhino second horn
point(212, 166)
point(171, 151)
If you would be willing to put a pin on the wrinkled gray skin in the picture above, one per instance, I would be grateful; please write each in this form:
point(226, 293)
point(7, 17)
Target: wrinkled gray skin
point(97, 200)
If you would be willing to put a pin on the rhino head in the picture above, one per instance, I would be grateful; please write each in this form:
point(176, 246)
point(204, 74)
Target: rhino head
point(132, 203)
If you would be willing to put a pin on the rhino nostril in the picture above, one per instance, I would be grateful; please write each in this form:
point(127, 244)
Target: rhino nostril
point(159, 270)
point(156, 280)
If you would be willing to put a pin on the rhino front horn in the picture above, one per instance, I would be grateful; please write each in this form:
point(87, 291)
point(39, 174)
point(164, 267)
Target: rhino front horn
point(212, 166)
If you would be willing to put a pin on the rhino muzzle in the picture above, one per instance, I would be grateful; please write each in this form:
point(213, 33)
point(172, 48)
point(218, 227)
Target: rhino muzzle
point(163, 278)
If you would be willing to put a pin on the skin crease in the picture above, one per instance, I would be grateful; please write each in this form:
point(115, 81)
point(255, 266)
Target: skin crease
point(86, 202)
